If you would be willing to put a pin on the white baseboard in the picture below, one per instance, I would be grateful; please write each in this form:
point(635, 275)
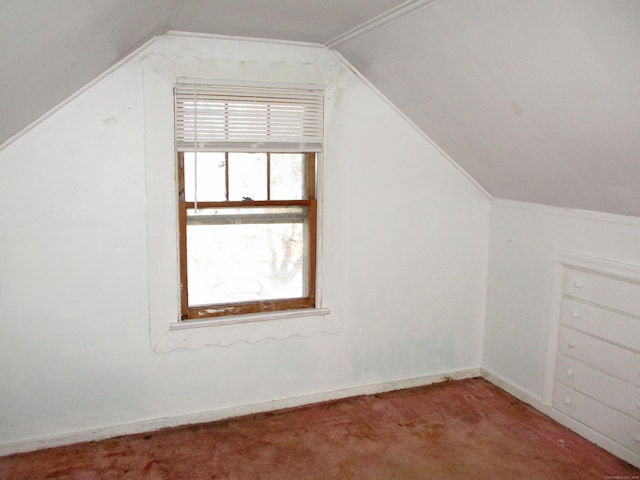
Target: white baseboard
point(518, 392)
point(582, 430)
point(153, 424)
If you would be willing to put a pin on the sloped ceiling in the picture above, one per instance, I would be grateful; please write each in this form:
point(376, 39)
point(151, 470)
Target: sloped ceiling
point(538, 100)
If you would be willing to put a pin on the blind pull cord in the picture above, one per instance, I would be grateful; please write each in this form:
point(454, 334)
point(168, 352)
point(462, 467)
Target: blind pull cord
point(195, 150)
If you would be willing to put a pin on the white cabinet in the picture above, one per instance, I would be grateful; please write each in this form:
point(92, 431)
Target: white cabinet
point(595, 385)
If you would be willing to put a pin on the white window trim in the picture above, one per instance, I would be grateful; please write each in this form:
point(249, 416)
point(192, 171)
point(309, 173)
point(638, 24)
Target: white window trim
point(166, 331)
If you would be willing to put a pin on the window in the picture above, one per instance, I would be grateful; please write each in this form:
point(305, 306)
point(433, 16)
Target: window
point(247, 198)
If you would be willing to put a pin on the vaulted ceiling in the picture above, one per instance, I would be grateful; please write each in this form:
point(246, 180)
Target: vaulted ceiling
point(538, 100)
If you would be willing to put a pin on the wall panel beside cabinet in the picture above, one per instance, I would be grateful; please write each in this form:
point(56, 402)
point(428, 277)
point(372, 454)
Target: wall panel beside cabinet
point(593, 379)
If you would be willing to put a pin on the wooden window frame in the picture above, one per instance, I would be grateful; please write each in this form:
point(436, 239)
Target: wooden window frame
point(227, 309)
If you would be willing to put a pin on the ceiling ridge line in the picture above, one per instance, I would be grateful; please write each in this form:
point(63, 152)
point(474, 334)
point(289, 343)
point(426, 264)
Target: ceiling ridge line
point(413, 125)
point(381, 20)
point(239, 38)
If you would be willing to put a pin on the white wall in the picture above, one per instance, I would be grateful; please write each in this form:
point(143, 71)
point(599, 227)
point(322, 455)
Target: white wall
point(523, 245)
point(405, 239)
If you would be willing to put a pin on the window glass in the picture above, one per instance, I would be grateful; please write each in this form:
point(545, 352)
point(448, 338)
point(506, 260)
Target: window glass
point(247, 176)
point(287, 176)
point(239, 255)
point(204, 179)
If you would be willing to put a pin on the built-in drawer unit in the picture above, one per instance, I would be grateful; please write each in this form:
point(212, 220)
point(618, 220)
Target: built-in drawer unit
point(605, 356)
point(607, 421)
point(600, 386)
point(596, 381)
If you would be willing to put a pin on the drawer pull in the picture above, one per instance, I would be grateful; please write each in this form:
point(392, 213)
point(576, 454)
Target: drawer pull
point(567, 401)
point(575, 314)
point(578, 284)
point(572, 343)
point(570, 374)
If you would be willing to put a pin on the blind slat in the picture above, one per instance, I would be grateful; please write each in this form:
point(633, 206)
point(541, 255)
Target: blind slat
point(236, 118)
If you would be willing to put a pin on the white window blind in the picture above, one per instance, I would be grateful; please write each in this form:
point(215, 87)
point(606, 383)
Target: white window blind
point(231, 118)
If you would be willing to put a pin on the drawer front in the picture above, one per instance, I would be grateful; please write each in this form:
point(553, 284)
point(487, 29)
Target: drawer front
point(613, 293)
point(615, 327)
point(617, 361)
point(611, 391)
point(614, 425)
